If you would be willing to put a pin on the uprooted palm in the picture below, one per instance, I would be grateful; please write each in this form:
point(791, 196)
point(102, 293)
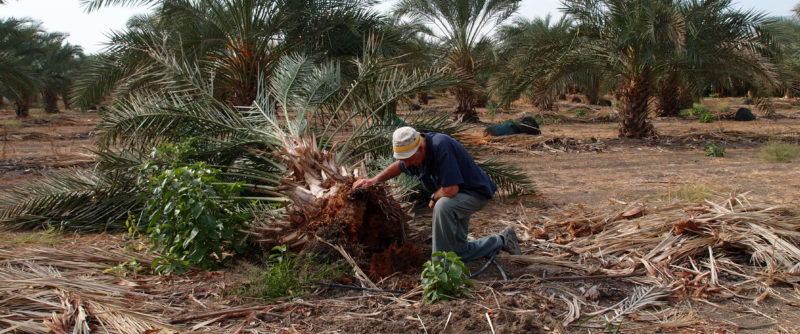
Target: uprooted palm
point(298, 141)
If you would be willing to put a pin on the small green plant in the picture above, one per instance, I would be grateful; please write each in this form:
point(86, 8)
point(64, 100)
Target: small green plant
point(445, 277)
point(713, 95)
point(686, 113)
point(125, 269)
point(707, 118)
point(779, 151)
point(288, 274)
point(699, 109)
point(579, 112)
point(714, 150)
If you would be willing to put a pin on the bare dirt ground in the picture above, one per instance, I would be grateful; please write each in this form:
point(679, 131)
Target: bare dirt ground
point(581, 170)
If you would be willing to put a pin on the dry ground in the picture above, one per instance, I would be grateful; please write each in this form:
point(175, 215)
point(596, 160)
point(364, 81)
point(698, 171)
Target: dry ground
point(580, 168)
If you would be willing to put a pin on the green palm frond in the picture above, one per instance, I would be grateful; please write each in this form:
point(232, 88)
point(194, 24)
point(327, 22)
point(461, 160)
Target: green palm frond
point(94, 5)
point(72, 200)
point(508, 177)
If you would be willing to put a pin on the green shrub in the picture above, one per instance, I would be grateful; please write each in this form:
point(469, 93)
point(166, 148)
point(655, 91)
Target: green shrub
point(714, 150)
point(778, 151)
point(288, 274)
point(445, 277)
point(579, 112)
point(685, 113)
point(192, 218)
point(707, 118)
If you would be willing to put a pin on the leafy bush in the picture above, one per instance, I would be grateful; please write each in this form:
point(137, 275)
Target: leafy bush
point(579, 112)
point(445, 277)
point(707, 118)
point(714, 150)
point(192, 217)
point(289, 275)
point(778, 151)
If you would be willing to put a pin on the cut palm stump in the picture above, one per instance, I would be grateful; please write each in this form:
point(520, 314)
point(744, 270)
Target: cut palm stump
point(369, 223)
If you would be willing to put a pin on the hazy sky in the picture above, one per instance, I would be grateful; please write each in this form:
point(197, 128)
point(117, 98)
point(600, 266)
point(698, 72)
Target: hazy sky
point(89, 30)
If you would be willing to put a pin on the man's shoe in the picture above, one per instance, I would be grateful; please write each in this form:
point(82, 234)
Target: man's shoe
point(510, 242)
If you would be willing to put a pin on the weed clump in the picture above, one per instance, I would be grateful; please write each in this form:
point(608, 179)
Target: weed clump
point(714, 150)
point(288, 275)
point(779, 151)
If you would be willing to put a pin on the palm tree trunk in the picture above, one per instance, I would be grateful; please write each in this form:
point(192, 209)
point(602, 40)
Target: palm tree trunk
point(65, 99)
point(465, 111)
point(22, 105)
point(50, 102)
point(634, 113)
point(668, 101)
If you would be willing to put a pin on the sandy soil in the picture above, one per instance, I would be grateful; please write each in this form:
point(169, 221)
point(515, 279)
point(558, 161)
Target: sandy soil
point(579, 167)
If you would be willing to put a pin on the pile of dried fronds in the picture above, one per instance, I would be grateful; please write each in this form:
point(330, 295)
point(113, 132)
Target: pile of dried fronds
point(696, 251)
point(44, 290)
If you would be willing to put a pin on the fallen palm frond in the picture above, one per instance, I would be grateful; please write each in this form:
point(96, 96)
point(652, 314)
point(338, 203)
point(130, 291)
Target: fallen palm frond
point(683, 245)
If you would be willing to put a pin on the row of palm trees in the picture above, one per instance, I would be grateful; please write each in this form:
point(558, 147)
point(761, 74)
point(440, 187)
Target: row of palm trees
point(670, 51)
point(35, 63)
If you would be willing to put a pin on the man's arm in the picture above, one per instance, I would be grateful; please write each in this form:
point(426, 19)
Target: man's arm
point(390, 172)
point(450, 191)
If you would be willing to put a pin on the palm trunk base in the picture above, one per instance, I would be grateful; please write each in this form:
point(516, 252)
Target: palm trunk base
point(465, 111)
point(368, 223)
point(634, 116)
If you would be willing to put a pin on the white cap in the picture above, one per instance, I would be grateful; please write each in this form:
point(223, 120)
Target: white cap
point(405, 142)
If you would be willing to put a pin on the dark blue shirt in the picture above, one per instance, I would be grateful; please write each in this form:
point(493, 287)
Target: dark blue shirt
point(447, 163)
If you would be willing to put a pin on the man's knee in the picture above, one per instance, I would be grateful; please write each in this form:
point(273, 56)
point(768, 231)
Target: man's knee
point(444, 205)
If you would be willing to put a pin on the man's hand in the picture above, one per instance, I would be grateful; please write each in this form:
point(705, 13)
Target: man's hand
point(363, 183)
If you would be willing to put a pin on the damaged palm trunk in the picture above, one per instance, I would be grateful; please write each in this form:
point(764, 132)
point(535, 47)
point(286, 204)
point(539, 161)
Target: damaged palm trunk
point(369, 223)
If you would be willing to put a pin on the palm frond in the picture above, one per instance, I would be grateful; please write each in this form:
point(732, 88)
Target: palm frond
point(74, 200)
point(508, 177)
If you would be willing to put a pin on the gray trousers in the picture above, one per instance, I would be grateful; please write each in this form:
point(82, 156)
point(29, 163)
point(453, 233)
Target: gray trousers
point(450, 224)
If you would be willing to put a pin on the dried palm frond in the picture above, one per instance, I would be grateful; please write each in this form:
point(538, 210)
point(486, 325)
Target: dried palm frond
point(670, 242)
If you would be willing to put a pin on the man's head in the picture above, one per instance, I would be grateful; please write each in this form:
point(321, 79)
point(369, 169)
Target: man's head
point(408, 146)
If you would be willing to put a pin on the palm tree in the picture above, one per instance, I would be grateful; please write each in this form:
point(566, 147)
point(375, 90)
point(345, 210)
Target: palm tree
point(19, 61)
point(632, 39)
point(541, 63)
point(464, 25)
point(786, 35)
point(57, 62)
point(722, 46)
point(237, 42)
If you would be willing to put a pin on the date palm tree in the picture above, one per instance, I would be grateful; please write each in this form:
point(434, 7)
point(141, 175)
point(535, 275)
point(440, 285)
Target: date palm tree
point(786, 34)
point(21, 47)
point(462, 27)
point(58, 62)
point(540, 62)
point(723, 46)
point(632, 38)
point(234, 41)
